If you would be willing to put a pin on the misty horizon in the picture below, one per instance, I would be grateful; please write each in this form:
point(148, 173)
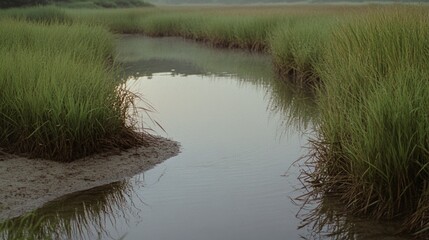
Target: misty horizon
point(278, 1)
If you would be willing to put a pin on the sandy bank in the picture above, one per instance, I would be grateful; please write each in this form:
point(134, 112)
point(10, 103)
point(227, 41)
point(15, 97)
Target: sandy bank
point(27, 184)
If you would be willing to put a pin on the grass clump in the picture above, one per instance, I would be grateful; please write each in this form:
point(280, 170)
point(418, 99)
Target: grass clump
point(246, 32)
point(59, 95)
point(297, 47)
point(374, 125)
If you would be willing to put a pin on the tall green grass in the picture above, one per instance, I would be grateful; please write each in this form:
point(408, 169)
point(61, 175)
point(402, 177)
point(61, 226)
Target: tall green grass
point(248, 28)
point(371, 70)
point(249, 32)
point(369, 63)
point(297, 47)
point(59, 96)
point(374, 124)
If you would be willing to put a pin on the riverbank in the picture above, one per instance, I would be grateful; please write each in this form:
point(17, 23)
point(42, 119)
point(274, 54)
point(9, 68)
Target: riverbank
point(369, 75)
point(370, 78)
point(63, 98)
point(27, 184)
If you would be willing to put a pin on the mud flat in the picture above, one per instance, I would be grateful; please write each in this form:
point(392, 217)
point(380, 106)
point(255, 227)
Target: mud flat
point(27, 184)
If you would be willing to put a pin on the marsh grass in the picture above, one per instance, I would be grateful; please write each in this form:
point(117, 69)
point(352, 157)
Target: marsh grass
point(370, 71)
point(59, 95)
point(297, 47)
point(295, 36)
point(369, 64)
point(247, 28)
point(373, 146)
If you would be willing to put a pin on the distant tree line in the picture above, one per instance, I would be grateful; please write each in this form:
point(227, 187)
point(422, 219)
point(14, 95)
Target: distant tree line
point(99, 3)
point(21, 3)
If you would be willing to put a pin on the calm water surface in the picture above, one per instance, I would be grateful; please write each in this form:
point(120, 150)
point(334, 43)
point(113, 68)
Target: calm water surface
point(240, 131)
point(228, 182)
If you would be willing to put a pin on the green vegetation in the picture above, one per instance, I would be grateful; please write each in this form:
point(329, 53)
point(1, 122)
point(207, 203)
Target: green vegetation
point(297, 47)
point(374, 116)
point(369, 74)
point(370, 79)
point(59, 97)
point(295, 36)
point(248, 32)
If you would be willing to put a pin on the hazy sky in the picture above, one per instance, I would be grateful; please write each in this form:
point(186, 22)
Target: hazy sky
point(271, 1)
point(218, 1)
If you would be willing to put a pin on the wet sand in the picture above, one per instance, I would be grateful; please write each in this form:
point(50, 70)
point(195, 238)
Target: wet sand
point(27, 184)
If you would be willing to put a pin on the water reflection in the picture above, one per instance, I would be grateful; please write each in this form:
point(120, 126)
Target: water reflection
point(146, 56)
point(90, 214)
point(324, 216)
point(291, 106)
point(143, 68)
point(296, 105)
point(327, 218)
point(240, 130)
point(226, 183)
point(143, 58)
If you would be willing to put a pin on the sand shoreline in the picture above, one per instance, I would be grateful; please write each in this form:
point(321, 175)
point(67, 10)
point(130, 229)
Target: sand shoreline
point(27, 184)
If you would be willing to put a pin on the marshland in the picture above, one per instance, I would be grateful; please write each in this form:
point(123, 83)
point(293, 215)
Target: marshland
point(295, 120)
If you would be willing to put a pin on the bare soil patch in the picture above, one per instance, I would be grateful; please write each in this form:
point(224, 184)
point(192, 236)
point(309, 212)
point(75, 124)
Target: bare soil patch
point(27, 184)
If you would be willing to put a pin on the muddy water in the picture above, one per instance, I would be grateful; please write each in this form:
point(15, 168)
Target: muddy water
point(241, 131)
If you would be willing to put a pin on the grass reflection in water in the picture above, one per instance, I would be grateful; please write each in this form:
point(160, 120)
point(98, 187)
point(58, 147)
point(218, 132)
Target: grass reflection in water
point(91, 214)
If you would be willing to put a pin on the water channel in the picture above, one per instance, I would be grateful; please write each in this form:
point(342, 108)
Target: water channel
point(240, 130)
